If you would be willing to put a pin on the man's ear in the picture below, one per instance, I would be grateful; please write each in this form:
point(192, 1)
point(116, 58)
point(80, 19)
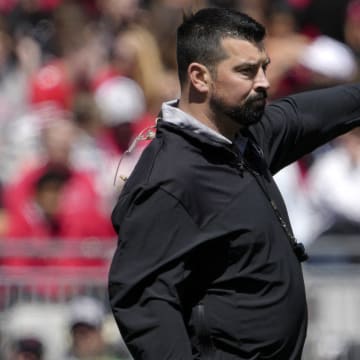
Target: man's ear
point(199, 77)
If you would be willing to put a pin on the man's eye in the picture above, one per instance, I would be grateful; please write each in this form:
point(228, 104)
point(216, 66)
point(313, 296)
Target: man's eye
point(250, 72)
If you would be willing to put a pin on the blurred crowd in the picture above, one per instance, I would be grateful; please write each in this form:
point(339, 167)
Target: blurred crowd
point(80, 79)
point(79, 331)
point(77, 80)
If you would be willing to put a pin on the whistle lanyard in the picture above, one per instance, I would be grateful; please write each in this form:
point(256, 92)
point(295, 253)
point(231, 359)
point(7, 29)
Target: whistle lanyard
point(298, 247)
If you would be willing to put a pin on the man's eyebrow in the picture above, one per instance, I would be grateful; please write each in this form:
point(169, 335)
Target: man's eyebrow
point(261, 62)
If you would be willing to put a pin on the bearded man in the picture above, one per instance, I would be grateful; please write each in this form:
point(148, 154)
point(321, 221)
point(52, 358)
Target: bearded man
point(207, 266)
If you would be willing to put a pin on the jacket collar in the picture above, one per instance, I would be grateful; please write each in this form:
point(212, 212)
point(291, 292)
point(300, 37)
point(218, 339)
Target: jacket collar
point(173, 119)
point(170, 113)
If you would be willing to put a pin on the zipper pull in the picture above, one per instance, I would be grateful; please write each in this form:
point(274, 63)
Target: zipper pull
point(241, 167)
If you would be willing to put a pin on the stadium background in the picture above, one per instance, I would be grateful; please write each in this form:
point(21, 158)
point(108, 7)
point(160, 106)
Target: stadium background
point(78, 81)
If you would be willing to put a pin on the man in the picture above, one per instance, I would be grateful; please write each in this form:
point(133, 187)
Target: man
point(206, 266)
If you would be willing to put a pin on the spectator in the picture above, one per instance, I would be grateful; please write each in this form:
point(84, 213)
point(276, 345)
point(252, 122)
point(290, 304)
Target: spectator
point(284, 45)
point(90, 153)
point(321, 62)
point(117, 14)
point(329, 62)
point(27, 348)
point(122, 106)
point(86, 318)
point(309, 14)
point(121, 102)
point(137, 56)
point(333, 187)
point(30, 18)
point(79, 198)
point(77, 60)
point(20, 57)
point(38, 217)
point(24, 140)
point(162, 17)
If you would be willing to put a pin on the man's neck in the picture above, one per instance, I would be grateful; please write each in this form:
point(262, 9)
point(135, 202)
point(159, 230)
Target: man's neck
point(223, 125)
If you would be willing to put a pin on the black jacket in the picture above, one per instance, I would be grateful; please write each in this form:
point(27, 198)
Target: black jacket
point(195, 227)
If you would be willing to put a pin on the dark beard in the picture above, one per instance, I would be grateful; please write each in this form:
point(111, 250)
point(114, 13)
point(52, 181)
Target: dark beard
point(247, 114)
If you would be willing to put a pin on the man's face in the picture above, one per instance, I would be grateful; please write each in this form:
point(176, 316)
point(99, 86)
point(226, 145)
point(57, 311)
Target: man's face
point(87, 340)
point(239, 87)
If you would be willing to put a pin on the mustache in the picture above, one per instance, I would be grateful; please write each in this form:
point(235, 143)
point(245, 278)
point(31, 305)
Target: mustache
point(261, 95)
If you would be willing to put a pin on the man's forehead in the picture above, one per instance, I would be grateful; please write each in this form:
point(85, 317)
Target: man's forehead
point(253, 52)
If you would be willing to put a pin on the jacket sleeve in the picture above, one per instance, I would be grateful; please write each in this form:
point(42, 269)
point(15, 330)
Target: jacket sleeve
point(147, 274)
point(296, 125)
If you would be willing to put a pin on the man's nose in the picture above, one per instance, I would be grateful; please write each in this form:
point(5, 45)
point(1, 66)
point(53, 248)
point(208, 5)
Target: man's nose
point(261, 80)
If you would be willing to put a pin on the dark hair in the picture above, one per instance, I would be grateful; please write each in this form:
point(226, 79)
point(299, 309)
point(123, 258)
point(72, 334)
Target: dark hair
point(54, 175)
point(200, 34)
point(29, 345)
